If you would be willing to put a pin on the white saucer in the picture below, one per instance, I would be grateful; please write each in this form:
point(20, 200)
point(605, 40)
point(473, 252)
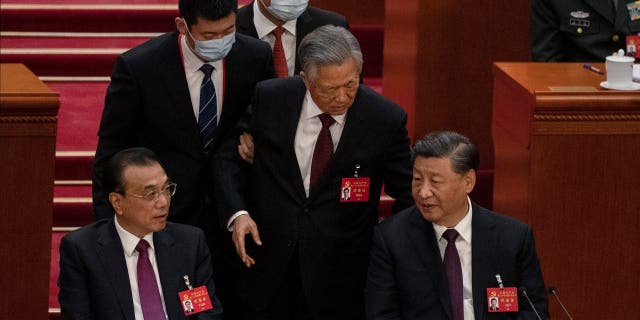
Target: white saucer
point(626, 87)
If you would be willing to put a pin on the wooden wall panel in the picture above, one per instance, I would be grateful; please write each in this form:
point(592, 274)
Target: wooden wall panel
point(358, 12)
point(446, 52)
point(28, 112)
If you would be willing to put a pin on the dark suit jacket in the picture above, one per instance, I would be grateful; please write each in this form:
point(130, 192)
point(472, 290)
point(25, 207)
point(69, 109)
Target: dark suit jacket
point(148, 104)
point(94, 283)
point(332, 238)
point(407, 278)
point(310, 19)
point(555, 35)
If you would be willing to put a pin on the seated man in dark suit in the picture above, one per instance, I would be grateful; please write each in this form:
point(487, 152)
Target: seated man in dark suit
point(288, 21)
point(436, 259)
point(133, 265)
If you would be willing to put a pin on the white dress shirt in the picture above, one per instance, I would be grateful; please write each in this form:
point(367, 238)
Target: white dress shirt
point(194, 77)
point(309, 126)
point(264, 27)
point(463, 244)
point(129, 243)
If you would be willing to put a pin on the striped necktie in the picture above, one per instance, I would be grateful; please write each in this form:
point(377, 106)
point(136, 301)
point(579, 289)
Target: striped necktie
point(279, 60)
point(208, 111)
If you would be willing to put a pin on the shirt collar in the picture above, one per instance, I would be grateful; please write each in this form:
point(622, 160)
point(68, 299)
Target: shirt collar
point(310, 110)
point(192, 63)
point(264, 26)
point(129, 240)
point(463, 227)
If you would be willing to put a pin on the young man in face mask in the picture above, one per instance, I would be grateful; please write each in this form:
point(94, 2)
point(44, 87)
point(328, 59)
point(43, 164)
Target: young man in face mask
point(283, 24)
point(179, 95)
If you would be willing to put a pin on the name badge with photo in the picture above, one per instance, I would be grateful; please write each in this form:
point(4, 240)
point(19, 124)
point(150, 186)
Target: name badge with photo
point(354, 189)
point(502, 299)
point(195, 300)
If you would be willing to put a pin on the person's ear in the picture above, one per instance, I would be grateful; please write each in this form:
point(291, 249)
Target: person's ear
point(469, 180)
point(116, 202)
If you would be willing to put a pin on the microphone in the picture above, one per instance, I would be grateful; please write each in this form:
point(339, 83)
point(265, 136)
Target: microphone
point(552, 290)
point(523, 292)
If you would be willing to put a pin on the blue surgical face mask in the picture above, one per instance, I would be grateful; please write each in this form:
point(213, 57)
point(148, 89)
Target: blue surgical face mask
point(287, 10)
point(214, 49)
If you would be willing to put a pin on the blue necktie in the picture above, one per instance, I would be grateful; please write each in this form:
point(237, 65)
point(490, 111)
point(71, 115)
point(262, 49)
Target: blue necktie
point(207, 119)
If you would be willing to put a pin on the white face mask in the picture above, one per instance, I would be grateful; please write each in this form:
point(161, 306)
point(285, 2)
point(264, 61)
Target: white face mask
point(287, 10)
point(214, 49)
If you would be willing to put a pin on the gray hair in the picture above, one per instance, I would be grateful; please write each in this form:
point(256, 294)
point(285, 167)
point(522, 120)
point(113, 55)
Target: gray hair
point(328, 45)
point(447, 144)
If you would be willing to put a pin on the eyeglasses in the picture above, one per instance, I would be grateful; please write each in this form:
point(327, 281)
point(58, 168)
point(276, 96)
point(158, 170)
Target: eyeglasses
point(153, 195)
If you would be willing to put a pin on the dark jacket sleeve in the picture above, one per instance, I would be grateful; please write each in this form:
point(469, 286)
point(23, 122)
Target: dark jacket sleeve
point(203, 274)
point(397, 167)
point(117, 127)
point(382, 297)
point(74, 293)
point(532, 281)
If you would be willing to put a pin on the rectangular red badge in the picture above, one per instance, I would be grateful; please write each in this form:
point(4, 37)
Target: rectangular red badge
point(195, 301)
point(633, 46)
point(354, 190)
point(502, 299)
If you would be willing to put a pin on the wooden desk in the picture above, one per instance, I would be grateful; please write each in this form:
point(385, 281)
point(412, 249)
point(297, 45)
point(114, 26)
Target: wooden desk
point(28, 110)
point(567, 161)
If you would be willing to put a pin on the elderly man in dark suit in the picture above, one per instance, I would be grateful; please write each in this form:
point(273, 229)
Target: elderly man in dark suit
point(580, 30)
point(308, 254)
point(132, 266)
point(283, 24)
point(180, 94)
point(436, 259)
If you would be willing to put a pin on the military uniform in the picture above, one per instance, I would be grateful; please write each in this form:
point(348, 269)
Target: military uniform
point(580, 30)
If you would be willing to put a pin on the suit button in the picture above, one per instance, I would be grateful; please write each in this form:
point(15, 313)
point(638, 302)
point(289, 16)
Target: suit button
point(615, 38)
point(305, 210)
point(579, 30)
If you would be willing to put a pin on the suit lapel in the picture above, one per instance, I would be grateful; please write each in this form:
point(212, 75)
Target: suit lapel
point(175, 83)
point(622, 15)
point(603, 7)
point(423, 238)
point(293, 179)
point(170, 278)
point(111, 256)
point(483, 240)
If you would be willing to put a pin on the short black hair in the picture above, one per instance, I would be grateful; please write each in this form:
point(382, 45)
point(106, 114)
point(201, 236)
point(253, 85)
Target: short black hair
point(113, 172)
point(448, 144)
point(212, 10)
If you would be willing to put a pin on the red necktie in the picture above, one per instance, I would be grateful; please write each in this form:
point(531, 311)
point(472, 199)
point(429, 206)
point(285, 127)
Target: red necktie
point(147, 285)
point(454, 273)
point(323, 151)
point(279, 60)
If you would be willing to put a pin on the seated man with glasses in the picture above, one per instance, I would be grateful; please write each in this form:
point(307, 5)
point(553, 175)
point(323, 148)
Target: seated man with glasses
point(135, 264)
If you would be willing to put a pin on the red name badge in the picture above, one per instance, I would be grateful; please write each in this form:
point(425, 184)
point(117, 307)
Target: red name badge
point(633, 46)
point(502, 299)
point(195, 301)
point(354, 190)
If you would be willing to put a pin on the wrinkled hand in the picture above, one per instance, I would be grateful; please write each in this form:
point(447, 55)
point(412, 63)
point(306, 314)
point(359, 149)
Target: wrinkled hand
point(242, 226)
point(245, 149)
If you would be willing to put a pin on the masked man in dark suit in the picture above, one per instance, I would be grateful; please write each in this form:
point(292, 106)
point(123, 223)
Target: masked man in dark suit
point(580, 30)
point(132, 266)
point(154, 100)
point(262, 19)
point(308, 253)
point(436, 259)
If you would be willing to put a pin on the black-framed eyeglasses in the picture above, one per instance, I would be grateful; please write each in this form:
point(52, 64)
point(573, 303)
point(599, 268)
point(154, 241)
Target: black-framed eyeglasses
point(153, 195)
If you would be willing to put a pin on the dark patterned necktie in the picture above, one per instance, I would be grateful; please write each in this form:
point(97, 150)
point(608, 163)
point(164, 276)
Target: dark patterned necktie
point(207, 118)
point(323, 151)
point(454, 273)
point(279, 60)
point(147, 285)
